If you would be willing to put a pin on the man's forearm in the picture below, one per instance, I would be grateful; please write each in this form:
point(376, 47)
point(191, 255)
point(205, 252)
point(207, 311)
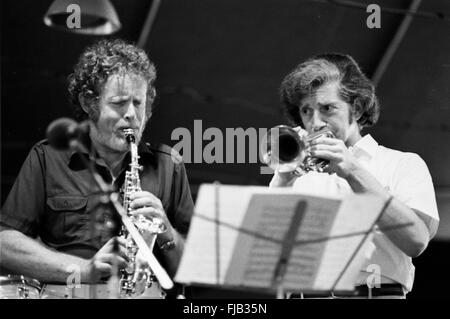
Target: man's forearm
point(283, 179)
point(412, 239)
point(28, 257)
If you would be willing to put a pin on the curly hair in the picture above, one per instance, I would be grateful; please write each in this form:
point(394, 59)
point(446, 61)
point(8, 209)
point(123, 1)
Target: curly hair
point(355, 88)
point(97, 63)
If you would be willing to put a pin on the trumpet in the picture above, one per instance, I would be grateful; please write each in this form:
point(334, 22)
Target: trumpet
point(284, 150)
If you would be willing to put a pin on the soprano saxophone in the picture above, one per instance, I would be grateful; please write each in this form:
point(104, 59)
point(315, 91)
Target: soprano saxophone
point(137, 281)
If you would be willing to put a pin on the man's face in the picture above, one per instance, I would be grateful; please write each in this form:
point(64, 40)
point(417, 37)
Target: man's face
point(122, 105)
point(324, 108)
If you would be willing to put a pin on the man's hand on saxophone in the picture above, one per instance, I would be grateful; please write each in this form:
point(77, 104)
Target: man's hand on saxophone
point(169, 241)
point(148, 205)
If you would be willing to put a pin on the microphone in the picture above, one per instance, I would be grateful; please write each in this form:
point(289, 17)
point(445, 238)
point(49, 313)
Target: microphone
point(61, 132)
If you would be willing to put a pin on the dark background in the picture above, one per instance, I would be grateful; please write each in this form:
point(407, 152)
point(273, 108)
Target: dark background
point(222, 61)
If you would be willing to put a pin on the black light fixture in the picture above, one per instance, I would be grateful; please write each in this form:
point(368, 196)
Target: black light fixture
point(93, 17)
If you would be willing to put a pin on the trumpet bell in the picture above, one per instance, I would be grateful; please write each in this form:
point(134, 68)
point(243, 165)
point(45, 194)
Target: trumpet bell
point(284, 150)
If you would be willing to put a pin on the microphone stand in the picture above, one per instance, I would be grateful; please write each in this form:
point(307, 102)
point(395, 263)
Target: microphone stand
point(113, 198)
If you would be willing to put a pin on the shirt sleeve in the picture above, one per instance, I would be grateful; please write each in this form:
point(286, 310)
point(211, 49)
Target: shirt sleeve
point(182, 200)
point(26, 200)
point(414, 187)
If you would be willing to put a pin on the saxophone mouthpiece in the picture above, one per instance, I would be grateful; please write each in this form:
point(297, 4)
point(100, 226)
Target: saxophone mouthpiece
point(129, 135)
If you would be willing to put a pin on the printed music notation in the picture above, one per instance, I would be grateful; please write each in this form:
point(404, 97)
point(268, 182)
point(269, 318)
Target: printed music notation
point(238, 236)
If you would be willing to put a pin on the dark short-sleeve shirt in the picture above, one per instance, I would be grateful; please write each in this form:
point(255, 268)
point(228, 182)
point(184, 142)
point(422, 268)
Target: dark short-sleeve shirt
point(55, 198)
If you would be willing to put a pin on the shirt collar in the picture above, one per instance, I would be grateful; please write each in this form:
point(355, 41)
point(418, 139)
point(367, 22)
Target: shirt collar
point(366, 145)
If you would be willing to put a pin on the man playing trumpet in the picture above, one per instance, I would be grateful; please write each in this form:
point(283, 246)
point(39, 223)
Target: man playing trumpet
point(330, 91)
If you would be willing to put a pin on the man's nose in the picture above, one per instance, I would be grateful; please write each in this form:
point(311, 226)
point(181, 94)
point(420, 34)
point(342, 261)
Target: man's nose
point(317, 122)
point(130, 113)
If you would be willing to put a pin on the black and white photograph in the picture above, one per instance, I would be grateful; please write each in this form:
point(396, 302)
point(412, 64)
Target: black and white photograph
point(224, 153)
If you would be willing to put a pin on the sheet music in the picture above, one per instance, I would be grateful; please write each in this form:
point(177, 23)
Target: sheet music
point(311, 242)
point(252, 229)
point(200, 264)
point(356, 215)
point(255, 261)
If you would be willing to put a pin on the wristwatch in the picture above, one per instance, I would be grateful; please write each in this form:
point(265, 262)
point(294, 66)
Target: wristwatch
point(168, 245)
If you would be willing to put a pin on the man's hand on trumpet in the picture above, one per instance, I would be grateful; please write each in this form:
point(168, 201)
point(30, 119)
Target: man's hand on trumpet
point(341, 160)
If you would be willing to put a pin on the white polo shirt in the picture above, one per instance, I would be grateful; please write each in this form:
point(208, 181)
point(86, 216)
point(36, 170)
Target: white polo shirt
point(406, 177)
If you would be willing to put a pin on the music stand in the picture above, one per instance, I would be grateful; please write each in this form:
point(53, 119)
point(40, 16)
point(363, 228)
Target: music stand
point(237, 241)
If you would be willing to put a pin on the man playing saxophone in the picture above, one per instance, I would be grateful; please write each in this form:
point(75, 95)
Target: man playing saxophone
point(46, 221)
point(330, 91)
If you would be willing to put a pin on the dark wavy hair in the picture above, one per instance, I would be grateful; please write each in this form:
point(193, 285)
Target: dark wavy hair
point(355, 88)
point(97, 63)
